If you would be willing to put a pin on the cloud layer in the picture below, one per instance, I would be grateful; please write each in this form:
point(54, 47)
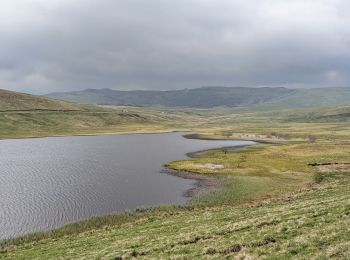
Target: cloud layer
point(62, 45)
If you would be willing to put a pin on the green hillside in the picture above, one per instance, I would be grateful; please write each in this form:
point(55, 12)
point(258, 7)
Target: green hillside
point(24, 116)
point(306, 115)
point(326, 115)
point(18, 101)
point(205, 97)
point(307, 98)
point(254, 99)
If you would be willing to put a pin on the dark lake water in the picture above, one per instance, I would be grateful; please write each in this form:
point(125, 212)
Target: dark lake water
point(48, 182)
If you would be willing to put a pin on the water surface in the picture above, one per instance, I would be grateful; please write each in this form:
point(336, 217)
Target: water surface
point(48, 182)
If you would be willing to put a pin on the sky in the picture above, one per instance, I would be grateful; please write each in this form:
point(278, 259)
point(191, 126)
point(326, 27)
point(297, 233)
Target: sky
point(66, 45)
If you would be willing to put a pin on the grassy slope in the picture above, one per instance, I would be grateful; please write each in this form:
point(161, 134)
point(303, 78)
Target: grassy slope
point(273, 203)
point(253, 99)
point(204, 97)
point(23, 115)
point(56, 118)
point(306, 98)
point(55, 123)
point(18, 101)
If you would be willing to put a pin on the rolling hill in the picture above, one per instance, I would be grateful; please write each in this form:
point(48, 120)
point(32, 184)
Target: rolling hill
point(207, 97)
point(14, 101)
point(24, 116)
point(320, 115)
point(308, 98)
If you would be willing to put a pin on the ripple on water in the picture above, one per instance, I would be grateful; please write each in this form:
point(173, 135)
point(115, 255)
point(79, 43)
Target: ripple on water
point(48, 182)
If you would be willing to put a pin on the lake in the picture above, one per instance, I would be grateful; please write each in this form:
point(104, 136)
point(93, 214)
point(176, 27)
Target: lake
point(48, 182)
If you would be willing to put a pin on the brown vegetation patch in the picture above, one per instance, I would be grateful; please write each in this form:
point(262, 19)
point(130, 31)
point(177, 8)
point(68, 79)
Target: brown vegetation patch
point(331, 167)
point(204, 182)
point(238, 247)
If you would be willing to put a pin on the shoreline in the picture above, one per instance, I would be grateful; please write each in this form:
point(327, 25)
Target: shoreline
point(203, 182)
point(98, 134)
point(256, 140)
point(188, 134)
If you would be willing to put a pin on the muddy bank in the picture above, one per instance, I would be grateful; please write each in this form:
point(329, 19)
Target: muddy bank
point(329, 167)
point(204, 183)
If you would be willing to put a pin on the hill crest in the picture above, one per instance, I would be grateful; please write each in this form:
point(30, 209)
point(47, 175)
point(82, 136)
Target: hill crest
point(204, 97)
point(264, 98)
point(15, 101)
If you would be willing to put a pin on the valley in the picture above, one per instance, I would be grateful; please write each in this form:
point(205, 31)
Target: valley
point(274, 194)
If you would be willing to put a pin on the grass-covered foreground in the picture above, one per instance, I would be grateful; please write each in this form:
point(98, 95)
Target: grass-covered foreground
point(311, 224)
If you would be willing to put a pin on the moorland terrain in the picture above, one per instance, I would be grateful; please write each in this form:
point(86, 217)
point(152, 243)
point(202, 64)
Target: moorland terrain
point(286, 197)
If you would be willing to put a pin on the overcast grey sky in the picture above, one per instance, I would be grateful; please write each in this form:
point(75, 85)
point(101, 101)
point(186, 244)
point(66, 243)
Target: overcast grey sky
point(62, 45)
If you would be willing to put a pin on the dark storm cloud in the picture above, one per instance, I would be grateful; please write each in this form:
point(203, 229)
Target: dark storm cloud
point(62, 45)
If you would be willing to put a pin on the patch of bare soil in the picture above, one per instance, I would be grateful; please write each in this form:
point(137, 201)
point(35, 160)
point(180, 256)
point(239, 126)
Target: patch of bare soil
point(204, 183)
point(210, 166)
point(331, 167)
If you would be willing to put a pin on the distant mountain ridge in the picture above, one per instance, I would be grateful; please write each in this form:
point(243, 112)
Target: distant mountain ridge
point(207, 97)
point(204, 97)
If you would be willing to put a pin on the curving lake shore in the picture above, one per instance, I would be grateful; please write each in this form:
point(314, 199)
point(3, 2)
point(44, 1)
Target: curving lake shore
point(48, 182)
